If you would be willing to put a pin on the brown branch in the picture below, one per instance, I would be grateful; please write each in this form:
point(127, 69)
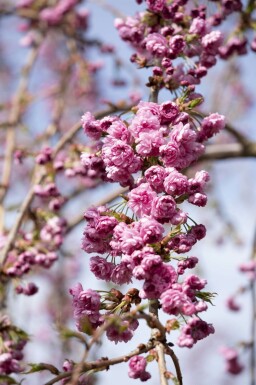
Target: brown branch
point(153, 312)
point(175, 361)
point(13, 120)
point(229, 151)
point(237, 135)
point(103, 364)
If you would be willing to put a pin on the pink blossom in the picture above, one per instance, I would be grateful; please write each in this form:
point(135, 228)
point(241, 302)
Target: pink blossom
point(232, 305)
point(91, 126)
point(155, 176)
point(175, 301)
point(233, 366)
point(150, 230)
point(131, 29)
point(86, 305)
point(161, 279)
point(137, 368)
point(126, 239)
point(101, 268)
point(212, 41)
point(141, 198)
point(177, 43)
point(149, 143)
point(121, 274)
point(144, 121)
point(211, 125)
point(188, 263)
point(193, 331)
point(198, 231)
point(168, 112)
point(148, 263)
point(198, 26)
point(198, 199)
point(194, 282)
point(117, 153)
point(155, 5)
point(175, 183)
point(156, 44)
point(120, 331)
point(170, 153)
point(163, 208)
point(118, 130)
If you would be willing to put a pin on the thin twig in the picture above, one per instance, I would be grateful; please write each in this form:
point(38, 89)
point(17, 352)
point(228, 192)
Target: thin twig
point(103, 364)
point(175, 362)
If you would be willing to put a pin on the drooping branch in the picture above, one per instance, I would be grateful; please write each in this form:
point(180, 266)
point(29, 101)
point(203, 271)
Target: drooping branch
point(13, 120)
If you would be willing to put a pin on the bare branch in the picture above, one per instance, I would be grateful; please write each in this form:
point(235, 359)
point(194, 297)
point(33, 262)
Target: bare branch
point(14, 117)
point(229, 151)
point(175, 362)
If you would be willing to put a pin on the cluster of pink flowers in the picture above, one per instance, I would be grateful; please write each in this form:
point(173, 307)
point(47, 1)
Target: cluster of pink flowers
point(170, 30)
point(148, 154)
point(13, 341)
point(161, 135)
point(35, 249)
point(64, 10)
point(137, 368)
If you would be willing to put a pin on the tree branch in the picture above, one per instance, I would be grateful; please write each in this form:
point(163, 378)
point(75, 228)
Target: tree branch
point(103, 364)
point(14, 117)
point(229, 151)
point(175, 362)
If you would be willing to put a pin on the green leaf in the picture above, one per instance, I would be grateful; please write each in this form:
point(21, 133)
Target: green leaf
point(205, 296)
point(68, 333)
point(195, 102)
point(150, 358)
point(41, 366)
point(175, 381)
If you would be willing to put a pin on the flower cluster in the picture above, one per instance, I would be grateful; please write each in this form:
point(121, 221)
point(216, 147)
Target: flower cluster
point(160, 140)
point(35, 249)
point(137, 368)
point(167, 31)
point(13, 341)
point(148, 153)
point(64, 11)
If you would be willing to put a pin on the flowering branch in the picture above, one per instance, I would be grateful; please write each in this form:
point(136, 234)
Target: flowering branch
point(42, 174)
